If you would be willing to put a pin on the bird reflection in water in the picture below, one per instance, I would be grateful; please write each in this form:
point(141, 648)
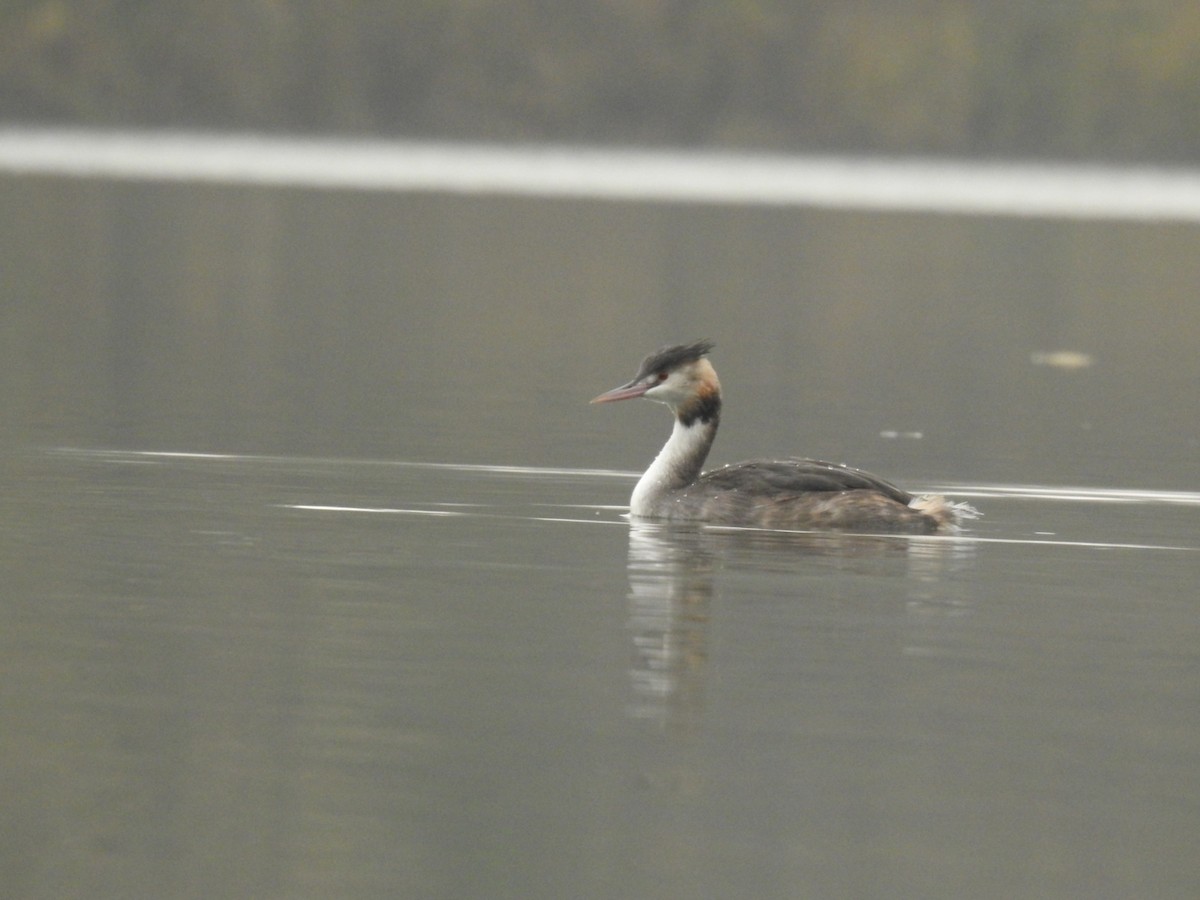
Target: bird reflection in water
point(670, 594)
point(672, 583)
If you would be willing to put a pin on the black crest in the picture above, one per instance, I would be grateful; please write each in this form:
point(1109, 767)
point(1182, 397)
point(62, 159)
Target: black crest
point(670, 358)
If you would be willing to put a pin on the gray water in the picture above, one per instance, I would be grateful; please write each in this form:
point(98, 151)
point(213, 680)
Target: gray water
point(317, 582)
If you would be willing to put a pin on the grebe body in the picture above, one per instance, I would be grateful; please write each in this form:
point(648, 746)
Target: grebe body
point(785, 493)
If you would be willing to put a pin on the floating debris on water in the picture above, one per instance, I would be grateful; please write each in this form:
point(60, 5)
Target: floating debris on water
point(1062, 359)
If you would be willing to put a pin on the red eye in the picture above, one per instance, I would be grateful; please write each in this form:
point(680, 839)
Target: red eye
point(660, 377)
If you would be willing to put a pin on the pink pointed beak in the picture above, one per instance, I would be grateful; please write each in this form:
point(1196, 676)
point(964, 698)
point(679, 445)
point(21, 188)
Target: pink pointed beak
point(624, 392)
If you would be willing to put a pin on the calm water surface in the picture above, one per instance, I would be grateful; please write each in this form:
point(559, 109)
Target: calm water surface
point(293, 677)
point(317, 582)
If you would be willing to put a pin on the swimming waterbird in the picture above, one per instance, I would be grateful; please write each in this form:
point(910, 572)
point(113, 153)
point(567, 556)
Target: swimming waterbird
point(788, 493)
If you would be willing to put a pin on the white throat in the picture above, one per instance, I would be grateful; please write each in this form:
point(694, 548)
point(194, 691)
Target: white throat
point(677, 465)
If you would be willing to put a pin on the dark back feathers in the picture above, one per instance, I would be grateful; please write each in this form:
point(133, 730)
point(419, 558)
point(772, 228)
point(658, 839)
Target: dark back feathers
point(796, 476)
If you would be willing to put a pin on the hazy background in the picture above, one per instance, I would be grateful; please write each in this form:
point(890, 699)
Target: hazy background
point(1074, 79)
point(461, 328)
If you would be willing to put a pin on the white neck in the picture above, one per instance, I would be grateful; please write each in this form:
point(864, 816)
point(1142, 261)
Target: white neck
point(677, 465)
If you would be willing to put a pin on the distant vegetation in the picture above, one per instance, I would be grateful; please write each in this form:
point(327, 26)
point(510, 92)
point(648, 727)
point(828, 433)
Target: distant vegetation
point(1070, 79)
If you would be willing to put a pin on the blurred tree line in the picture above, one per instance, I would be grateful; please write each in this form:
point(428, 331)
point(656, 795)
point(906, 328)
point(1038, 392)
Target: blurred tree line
point(1073, 79)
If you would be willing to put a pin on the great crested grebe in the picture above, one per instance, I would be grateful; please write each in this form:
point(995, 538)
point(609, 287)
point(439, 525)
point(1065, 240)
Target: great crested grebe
point(784, 493)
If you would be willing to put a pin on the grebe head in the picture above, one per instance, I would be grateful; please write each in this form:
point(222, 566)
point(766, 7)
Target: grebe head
point(678, 376)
